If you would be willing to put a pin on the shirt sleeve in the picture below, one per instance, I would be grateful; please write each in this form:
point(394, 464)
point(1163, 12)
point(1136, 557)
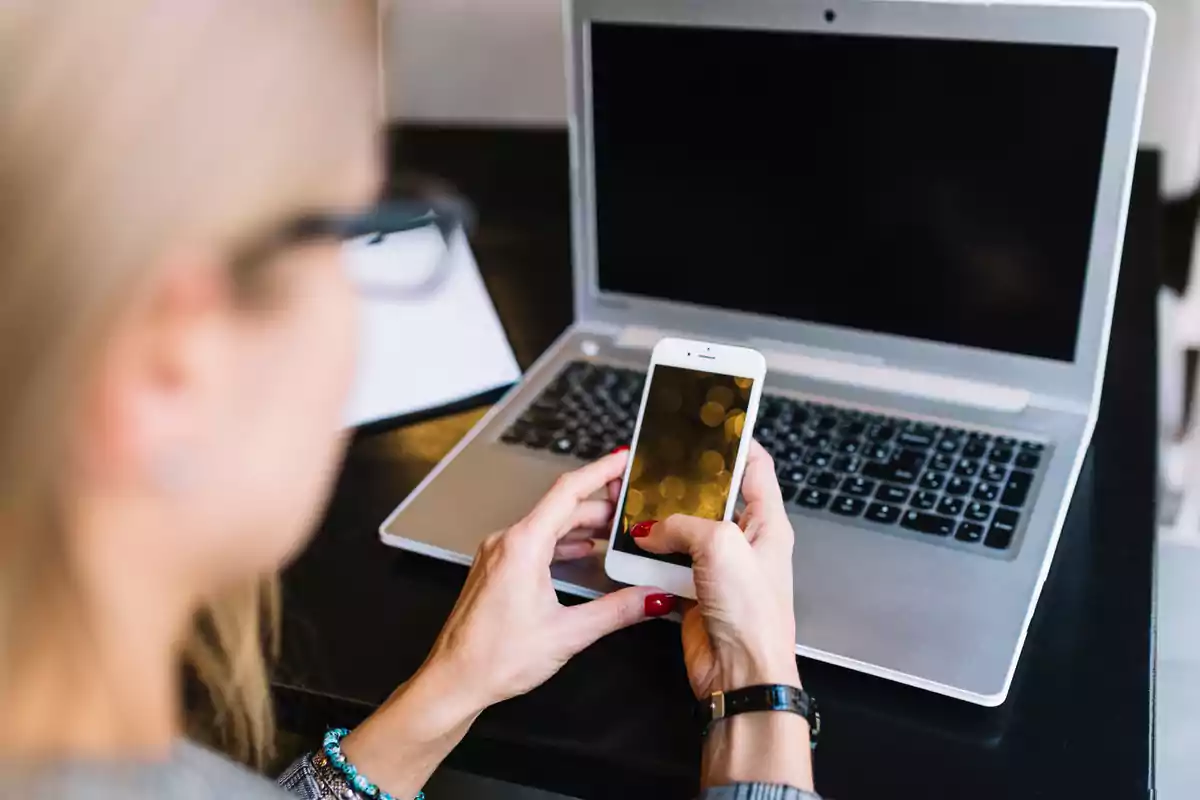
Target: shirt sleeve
point(756, 791)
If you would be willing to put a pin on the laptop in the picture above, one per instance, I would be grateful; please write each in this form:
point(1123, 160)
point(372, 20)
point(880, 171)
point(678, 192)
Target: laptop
point(915, 211)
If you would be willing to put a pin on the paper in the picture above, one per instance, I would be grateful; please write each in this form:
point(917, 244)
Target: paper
point(420, 353)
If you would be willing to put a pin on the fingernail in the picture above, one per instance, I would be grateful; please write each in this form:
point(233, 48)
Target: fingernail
point(620, 449)
point(642, 529)
point(659, 605)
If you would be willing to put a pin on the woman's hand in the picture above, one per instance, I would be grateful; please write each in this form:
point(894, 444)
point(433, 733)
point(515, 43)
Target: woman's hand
point(507, 633)
point(742, 631)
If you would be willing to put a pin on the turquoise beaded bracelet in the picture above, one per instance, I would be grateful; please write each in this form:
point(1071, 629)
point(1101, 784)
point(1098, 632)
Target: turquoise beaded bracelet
point(333, 752)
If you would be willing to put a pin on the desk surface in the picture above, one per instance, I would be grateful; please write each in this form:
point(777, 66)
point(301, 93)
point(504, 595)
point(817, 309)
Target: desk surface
point(360, 617)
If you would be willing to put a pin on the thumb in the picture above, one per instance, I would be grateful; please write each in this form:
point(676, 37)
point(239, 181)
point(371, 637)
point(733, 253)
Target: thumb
point(588, 622)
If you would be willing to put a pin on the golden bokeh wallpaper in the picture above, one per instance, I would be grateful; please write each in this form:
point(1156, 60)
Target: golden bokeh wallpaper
point(689, 441)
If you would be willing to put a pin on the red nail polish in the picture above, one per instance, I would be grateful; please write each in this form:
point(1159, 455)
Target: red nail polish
point(620, 449)
point(642, 529)
point(659, 605)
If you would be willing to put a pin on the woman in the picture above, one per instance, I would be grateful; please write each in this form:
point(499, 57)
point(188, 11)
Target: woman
point(174, 369)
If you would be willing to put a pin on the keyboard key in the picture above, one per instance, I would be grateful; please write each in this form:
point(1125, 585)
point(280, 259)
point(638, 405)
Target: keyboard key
point(513, 435)
point(912, 439)
point(890, 472)
point(1033, 447)
point(892, 494)
point(877, 452)
point(826, 423)
point(933, 480)
point(883, 513)
point(824, 480)
point(847, 464)
point(959, 486)
point(966, 467)
point(881, 433)
point(1016, 491)
point(924, 428)
point(1000, 455)
point(977, 511)
point(858, 486)
point(945, 445)
point(818, 458)
point(979, 436)
point(993, 473)
point(969, 532)
point(1004, 527)
point(848, 446)
point(987, 491)
point(924, 501)
point(909, 458)
point(848, 506)
point(588, 449)
point(927, 523)
point(951, 506)
point(791, 473)
point(789, 491)
point(853, 428)
point(941, 462)
point(813, 498)
point(536, 439)
point(1027, 460)
point(974, 450)
point(1005, 441)
point(820, 441)
point(792, 455)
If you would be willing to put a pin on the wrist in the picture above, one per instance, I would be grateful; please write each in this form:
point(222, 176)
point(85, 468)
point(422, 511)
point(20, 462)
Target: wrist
point(760, 747)
point(758, 669)
point(399, 746)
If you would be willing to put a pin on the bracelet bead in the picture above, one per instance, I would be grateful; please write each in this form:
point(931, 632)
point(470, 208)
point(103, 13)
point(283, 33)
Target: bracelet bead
point(332, 751)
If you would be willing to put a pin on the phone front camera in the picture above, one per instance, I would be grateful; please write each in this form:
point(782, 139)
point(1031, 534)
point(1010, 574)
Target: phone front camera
point(830, 15)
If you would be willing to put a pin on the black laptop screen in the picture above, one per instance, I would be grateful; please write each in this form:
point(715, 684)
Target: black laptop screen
point(936, 189)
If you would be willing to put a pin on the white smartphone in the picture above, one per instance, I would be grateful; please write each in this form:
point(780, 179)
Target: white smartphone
point(689, 451)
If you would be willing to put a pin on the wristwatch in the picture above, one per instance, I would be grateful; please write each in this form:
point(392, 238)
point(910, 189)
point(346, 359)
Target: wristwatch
point(767, 697)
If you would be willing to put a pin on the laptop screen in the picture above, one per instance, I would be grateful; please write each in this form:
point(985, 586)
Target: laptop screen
point(936, 189)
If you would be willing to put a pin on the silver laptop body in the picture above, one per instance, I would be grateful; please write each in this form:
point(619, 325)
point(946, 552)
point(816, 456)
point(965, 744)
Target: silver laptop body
point(926, 607)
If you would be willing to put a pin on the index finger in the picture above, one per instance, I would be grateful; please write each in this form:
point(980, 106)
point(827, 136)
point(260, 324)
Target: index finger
point(553, 511)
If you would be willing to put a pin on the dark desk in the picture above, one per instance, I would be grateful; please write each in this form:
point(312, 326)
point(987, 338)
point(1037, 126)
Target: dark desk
point(359, 617)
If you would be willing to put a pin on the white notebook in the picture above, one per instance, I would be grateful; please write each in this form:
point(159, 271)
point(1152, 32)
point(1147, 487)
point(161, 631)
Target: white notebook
point(419, 354)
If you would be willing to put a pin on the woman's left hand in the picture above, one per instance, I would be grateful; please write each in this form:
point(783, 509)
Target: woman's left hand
point(508, 633)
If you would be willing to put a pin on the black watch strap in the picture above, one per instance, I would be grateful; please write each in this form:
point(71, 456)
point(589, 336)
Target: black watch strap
point(767, 697)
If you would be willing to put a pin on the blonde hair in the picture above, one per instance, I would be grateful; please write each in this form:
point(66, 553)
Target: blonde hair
point(127, 127)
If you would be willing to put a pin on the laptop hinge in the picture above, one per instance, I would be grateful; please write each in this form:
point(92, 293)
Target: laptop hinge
point(872, 375)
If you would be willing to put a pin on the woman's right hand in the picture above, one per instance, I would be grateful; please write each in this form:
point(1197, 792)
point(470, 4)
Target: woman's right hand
point(742, 631)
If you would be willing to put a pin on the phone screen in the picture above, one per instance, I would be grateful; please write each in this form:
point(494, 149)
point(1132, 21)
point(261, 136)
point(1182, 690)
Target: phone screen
point(686, 450)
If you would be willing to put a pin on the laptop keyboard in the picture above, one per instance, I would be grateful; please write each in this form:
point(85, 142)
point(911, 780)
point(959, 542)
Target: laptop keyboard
point(945, 482)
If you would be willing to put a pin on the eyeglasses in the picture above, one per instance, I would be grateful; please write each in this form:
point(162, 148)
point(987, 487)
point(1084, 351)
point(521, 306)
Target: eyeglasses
point(395, 281)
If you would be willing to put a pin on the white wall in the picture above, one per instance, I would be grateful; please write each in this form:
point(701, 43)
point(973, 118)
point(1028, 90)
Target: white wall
point(502, 61)
point(1172, 119)
point(476, 61)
